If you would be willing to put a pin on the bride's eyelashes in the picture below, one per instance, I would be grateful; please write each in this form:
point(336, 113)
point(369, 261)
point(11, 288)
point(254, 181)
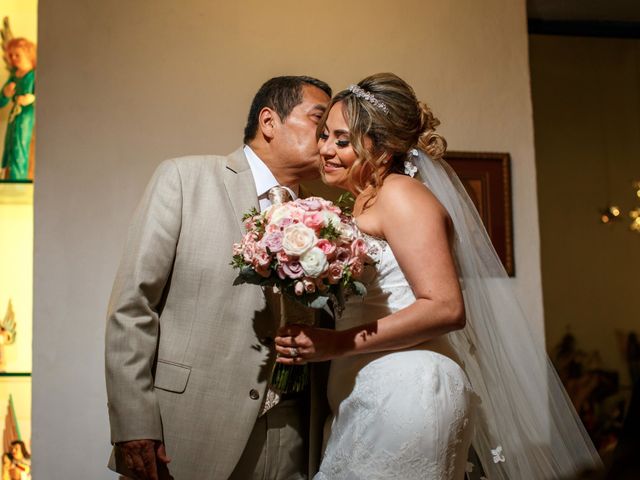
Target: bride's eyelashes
point(324, 136)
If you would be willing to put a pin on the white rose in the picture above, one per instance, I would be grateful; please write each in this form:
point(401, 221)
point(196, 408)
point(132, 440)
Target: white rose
point(330, 217)
point(298, 238)
point(275, 213)
point(314, 262)
point(347, 232)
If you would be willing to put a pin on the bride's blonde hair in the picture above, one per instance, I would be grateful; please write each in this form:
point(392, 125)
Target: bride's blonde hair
point(384, 129)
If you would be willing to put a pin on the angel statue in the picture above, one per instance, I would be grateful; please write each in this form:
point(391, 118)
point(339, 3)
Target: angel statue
point(20, 59)
point(7, 333)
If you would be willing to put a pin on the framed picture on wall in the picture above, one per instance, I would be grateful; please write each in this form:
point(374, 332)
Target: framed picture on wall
point(487, 178)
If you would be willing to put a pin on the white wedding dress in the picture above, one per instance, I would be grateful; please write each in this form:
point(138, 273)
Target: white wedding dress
point(411, 414)
point(405, 414)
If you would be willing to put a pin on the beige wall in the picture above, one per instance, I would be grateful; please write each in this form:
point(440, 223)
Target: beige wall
point(123, 85)
point(587, 123)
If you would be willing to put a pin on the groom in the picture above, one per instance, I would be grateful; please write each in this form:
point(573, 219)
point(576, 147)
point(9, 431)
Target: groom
point(188, 355)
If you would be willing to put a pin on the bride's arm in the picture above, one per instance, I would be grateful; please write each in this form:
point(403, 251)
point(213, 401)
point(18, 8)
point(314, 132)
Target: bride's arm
point(418, 231)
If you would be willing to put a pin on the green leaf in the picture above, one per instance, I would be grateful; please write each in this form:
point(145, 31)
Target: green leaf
point(237, 262)
point(345, 202)
point(330, 232)
point(250, 214)
point(249, 275)
point(319, 302)
point(359, 288)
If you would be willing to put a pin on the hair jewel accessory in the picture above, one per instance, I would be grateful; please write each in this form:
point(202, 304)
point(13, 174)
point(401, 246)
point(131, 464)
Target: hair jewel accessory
point(410, 168)
point(369, 97)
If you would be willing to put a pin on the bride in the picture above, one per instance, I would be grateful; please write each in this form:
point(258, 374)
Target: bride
point(438, 355)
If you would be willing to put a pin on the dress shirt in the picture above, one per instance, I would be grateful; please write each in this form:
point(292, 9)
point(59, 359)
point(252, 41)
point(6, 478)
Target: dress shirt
point(263, 178)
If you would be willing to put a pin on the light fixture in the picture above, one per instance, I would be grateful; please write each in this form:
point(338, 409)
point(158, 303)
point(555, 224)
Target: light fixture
point(613, 213)
point(610, 214)
point(635, 220)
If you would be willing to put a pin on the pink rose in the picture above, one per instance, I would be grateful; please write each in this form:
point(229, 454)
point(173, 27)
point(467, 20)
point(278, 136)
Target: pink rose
point(359, 248)
point(282, 257)
point(261, 259)
point(296, 214)
point(355, 267)
point(335, 271)
point(272, 228)
point(249, 250)
point(249, 224)
point(299, 288)
point(285, 222)
point(310, 204)
point(326, 246)
point(273, 241)
point(343, 254)
point(314, 220)
point(293, 269)
point(309, 286)
point(237, 249)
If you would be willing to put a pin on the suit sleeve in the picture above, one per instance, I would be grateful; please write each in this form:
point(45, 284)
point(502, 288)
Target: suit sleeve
point(133, 316)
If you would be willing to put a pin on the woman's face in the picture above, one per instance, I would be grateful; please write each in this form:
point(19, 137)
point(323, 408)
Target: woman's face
point(16, 451)
point(20, 60)
point(336, 152)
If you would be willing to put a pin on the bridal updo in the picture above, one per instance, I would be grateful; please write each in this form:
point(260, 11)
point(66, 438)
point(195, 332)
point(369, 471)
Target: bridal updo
point(386, 121)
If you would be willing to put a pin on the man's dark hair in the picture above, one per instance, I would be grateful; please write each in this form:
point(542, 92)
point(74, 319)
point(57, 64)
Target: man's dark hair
point(281, 94)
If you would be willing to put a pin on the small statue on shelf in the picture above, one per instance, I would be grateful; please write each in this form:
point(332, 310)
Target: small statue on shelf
point(7, 333)
point(20, 57)
point(16, 464)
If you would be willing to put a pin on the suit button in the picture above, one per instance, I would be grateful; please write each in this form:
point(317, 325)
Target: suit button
point(254, 395)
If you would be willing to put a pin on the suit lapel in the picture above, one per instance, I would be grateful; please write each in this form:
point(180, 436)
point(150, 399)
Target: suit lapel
point(240, 186)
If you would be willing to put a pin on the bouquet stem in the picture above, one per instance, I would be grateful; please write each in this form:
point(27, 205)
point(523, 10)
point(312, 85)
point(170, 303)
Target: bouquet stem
point(290, 378)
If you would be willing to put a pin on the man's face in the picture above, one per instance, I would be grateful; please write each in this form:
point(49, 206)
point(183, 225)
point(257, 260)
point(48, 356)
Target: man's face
point(294, 142)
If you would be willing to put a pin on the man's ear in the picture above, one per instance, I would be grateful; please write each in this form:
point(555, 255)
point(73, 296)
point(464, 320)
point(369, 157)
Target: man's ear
point(267, 122)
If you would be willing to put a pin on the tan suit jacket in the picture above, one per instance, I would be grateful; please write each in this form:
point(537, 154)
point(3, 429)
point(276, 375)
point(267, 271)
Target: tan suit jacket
point(188, 354)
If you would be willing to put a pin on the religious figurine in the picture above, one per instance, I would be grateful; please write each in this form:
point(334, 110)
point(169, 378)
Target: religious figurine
point(16, 464)
point(19, 91)
point(7, 333)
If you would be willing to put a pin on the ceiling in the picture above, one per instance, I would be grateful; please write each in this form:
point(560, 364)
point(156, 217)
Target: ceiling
point(584, 10)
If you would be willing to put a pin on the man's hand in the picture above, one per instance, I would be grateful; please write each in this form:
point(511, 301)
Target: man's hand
point(141, 456)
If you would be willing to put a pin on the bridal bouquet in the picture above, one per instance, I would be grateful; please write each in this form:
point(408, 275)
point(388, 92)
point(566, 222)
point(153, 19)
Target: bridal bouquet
point(310, 251)
point(306, 248)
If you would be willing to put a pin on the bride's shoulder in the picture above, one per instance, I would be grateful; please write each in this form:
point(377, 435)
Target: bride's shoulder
point(401, 192)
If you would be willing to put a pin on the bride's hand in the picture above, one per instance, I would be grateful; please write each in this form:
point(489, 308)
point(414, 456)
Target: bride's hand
point(299, 344)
